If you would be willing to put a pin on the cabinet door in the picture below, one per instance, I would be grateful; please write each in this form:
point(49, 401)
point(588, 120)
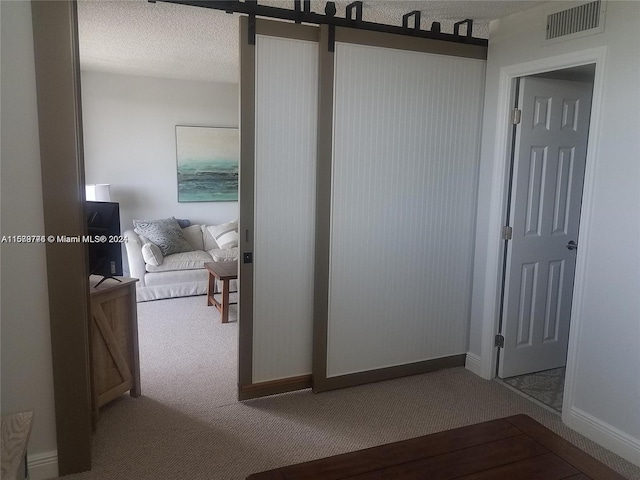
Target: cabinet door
point(114, 343)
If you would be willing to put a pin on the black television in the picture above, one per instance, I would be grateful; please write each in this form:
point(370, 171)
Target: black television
point(105, 249)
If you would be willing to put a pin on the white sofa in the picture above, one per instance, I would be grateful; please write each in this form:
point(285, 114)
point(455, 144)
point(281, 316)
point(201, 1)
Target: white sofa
point(178, 274)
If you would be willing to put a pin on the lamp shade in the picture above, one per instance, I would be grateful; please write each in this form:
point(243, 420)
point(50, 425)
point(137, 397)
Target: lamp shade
point(98, 192)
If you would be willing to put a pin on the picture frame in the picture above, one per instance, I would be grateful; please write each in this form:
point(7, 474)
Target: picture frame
point(207, 161)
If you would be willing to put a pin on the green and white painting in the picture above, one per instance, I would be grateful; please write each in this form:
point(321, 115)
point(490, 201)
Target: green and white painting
point(207, 164)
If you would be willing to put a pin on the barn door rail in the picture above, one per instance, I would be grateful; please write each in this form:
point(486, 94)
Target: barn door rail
point(301, 13)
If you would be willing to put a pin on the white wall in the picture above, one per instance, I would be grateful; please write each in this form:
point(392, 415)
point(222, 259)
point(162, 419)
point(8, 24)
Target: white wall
point(130, 140)
point(27, 376)
point(606, 394)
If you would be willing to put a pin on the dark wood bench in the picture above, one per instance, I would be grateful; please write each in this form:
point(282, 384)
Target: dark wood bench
point(510, 448)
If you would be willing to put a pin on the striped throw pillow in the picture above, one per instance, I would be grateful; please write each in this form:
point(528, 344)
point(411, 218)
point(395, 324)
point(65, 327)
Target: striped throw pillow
point(225, 235)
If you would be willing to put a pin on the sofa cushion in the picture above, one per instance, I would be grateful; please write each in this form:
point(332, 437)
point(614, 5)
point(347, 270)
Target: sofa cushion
point(224, 254)
point(225, 235)
point(166, 233)
point(152, 254)
point(177, 277)
point(181, 261)
point(193, 234)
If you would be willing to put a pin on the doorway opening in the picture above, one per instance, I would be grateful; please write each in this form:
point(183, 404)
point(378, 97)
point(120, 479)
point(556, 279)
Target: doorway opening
point(138, 100)
point(551, 117)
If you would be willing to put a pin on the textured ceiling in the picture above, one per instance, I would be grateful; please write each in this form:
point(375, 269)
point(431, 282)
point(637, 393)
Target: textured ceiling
point(174, 41)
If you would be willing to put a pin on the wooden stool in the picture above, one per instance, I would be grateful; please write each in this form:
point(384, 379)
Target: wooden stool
point(225, 272)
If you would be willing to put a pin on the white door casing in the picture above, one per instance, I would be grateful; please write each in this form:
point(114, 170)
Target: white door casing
point(549, 165)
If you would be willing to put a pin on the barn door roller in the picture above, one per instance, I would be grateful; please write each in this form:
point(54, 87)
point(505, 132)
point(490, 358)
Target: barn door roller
point(300, 7)
point(357, 6)
point(416, 19)
point(468, 22)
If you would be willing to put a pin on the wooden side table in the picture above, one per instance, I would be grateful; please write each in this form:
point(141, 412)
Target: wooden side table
point(225, 272)
point(113, 341)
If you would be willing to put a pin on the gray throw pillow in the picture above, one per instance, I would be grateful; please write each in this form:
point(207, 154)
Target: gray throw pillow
point(165, 233)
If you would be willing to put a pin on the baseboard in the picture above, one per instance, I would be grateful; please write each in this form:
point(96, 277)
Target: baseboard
point(43, 466)
point(473, 364)
point(273, 387)
point(610, 437)
point(387, 373)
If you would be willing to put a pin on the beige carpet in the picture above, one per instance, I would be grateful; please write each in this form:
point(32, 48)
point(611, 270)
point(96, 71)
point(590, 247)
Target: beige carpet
point(188, 425)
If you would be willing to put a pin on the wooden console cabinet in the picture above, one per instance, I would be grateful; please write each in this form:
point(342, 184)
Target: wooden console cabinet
point(113, 341)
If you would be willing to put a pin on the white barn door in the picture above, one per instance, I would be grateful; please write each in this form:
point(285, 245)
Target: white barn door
point(406, 137)
point(277, 220)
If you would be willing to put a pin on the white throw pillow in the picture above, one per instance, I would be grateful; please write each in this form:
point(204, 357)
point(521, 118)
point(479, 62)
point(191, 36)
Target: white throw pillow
point(152, 254)
point(225, 235)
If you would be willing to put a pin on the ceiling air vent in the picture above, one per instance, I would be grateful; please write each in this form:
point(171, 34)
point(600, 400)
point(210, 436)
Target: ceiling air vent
point(585, 19)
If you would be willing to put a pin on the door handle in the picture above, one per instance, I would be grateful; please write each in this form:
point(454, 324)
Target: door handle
point(572, 245)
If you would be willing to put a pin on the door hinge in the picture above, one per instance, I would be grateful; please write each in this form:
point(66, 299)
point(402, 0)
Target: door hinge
point(516, 116)
point(507, 232)
point(499, 341)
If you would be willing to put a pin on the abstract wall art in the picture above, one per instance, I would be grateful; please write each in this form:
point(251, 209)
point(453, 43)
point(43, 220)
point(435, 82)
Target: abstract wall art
point(207, 160)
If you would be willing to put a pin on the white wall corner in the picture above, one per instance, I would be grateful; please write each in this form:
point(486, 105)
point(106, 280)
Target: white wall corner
point(604, 434)
point(473, 363)
point(42, 466)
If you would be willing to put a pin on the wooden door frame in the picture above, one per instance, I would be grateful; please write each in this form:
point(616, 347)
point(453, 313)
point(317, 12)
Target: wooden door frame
point(500, 180)
point(57, 68)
